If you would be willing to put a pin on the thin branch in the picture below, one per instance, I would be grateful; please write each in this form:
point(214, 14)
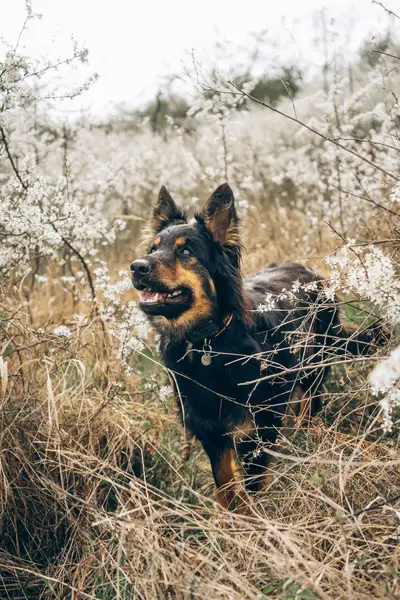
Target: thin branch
point(371, 201)
point(81, 258)
point(378, 242)
point(312, 130)
point(386, 54)
point(11, 160)
point(366, 141)
point(376, 506)
point(390, 12)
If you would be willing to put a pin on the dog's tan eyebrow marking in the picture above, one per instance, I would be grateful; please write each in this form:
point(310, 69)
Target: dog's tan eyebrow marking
point(180, 241)
point(157, 242)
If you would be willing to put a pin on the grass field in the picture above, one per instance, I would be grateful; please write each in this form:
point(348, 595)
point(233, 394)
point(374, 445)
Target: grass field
point(101, 495)
point(97, 501)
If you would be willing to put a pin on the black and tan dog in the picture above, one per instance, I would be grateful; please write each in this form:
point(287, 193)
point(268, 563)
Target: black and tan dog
point(235, 369)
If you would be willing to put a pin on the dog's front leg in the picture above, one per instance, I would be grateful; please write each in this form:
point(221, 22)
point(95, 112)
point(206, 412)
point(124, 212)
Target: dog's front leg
point(257, 473)
point(256, 460)
point(223, 463)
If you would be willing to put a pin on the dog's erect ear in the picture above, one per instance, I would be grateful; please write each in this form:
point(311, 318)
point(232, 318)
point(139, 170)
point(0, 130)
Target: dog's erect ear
point(220, 216)
point(165, 210)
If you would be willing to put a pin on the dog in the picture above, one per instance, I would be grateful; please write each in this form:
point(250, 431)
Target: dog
point(235, 369)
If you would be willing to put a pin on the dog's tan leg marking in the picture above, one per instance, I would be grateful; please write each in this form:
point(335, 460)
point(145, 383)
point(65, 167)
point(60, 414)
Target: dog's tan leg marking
point(228, 489)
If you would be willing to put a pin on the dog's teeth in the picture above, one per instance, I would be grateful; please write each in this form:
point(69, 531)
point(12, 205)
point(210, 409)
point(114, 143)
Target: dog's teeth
point(155, 298)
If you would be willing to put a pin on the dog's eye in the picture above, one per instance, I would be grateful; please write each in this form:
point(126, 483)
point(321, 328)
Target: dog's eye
point(185, 252)
point(152, 249)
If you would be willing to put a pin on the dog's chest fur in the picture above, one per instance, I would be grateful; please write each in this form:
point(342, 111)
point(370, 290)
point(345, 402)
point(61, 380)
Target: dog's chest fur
point(211, 399)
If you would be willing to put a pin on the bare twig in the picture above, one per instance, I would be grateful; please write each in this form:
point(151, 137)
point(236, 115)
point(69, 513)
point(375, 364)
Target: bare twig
point(390, 12)
point(377, 506)
point(312, 130)
point(386, 54)
point(11, 160)
point(372, 201)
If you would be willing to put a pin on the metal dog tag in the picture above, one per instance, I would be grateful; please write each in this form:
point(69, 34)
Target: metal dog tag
point(206, 358)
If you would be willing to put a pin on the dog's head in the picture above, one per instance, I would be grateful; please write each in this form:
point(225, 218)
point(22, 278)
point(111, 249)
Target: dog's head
point(190, 269)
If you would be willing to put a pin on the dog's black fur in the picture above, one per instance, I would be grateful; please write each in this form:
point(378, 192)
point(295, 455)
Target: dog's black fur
point(261, 362)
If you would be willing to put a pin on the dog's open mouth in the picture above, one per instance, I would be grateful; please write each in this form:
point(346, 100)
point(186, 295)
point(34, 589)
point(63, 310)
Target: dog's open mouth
point(151, 297)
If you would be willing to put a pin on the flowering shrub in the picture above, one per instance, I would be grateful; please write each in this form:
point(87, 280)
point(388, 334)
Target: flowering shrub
point(80, 398)
point(368, 273)
point(65, 189)
point(384, 380)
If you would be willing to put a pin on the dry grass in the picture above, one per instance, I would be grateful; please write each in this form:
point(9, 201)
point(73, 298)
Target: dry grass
point(96, 501)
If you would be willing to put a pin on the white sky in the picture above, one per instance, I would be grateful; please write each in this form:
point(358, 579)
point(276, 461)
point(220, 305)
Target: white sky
point(133, 44)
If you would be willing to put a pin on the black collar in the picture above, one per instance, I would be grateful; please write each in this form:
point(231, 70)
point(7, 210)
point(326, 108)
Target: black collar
point(208, 329)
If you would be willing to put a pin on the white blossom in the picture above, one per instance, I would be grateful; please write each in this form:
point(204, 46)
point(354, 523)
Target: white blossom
point(61, 331)
point(269, 303)
point(165, 392)
point(370, 274)
point(385, 379)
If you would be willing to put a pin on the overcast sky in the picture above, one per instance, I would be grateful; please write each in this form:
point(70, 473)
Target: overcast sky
point(134, 44)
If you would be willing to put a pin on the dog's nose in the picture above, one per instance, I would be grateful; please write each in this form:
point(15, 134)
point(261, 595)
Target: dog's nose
point(141, 267)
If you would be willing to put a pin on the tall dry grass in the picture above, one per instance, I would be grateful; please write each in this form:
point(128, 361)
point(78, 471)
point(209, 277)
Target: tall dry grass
point(97, 501)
